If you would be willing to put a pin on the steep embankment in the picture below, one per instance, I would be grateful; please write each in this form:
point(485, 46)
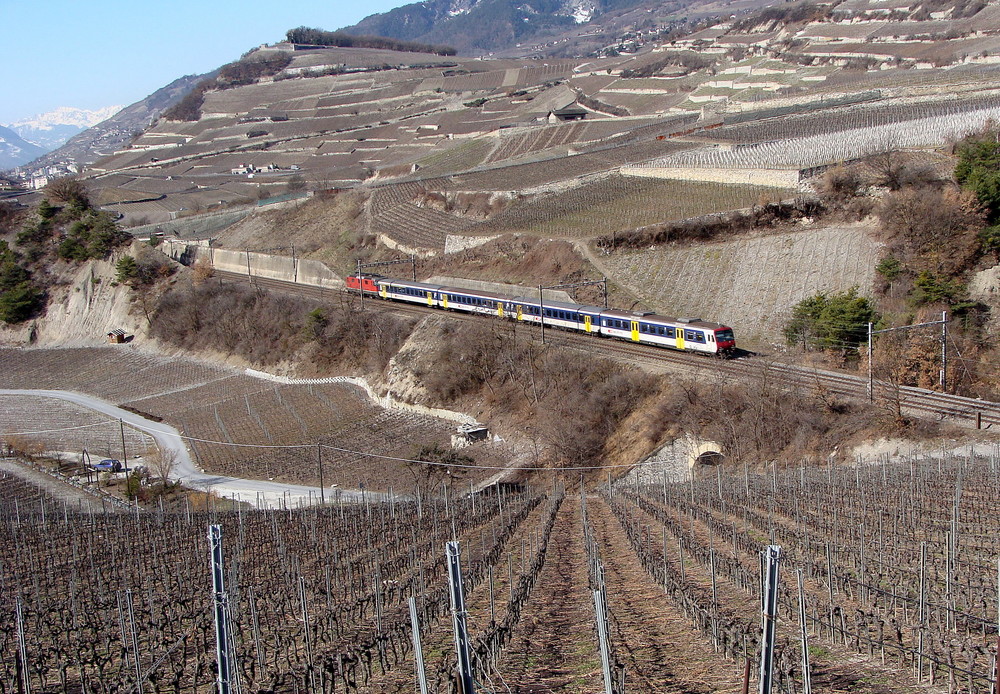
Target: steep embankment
point(84, 305)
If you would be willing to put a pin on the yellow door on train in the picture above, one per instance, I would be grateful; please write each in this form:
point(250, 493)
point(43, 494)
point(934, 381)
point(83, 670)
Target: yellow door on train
point(500, 309)
point(586, 324)
point(680, 339)
point(430, 298)
point(385, 291)
point(520, 312)
point(635, 331)
point(444, 301)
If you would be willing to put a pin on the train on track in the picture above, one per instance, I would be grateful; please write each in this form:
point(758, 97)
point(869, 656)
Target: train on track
point(645, 327)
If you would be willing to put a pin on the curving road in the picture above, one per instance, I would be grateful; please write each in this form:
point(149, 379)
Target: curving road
point(260, 493)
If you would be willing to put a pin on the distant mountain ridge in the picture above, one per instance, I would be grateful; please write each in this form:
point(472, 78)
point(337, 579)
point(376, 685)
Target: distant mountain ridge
point(474, 26)
point(53, 129)
point(115, 132)
point(15, 150)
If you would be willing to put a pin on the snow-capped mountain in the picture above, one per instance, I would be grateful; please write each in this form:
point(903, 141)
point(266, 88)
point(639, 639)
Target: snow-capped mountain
point(53, 129)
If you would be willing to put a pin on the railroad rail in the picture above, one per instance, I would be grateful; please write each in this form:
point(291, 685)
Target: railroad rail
point(918, 401)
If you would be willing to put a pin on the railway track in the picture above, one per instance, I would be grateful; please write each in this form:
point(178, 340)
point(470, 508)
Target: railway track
point(917, 401)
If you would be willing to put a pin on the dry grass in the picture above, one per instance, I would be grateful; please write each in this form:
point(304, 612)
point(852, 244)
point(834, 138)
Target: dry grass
point(319, 228)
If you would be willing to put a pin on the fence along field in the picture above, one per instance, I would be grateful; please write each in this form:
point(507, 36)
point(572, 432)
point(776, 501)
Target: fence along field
point(899, 561)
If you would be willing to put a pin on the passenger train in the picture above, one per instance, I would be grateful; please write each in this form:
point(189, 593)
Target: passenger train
point(646, 327)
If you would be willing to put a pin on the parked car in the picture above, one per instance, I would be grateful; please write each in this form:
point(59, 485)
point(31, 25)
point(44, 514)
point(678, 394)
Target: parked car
point(108, 465)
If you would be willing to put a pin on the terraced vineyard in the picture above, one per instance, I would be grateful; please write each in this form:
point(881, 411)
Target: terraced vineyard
point(622, 203)
point(897, 563)
point(236, 424)
point(809, 124)
point(43, 424)
point(417, 227)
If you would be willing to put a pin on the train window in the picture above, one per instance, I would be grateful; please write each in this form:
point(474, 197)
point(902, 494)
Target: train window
point(643, 328)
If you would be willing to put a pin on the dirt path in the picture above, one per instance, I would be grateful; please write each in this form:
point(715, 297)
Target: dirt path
point(555, 647)
point(660, 648)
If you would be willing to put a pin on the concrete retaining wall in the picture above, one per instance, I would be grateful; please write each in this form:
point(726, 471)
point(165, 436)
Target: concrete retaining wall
point(454, 243)
point(405, 250)
point(278, 267)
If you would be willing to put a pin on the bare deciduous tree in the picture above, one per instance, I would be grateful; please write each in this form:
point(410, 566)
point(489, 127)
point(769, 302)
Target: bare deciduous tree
point(161, 463)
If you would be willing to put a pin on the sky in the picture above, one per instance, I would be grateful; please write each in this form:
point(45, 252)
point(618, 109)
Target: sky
point(95, 53)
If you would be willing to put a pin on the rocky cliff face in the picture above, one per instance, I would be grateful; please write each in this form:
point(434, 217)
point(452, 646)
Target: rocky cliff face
point(85, 304)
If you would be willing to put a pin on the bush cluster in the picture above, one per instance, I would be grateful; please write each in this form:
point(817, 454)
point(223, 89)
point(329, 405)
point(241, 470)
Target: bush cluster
point(265, 328)
point(711, 226)
point(246, 70)
point(831, 321)
point(319, 37)
point(687, 59)
point(574, 403)
point(20, 298)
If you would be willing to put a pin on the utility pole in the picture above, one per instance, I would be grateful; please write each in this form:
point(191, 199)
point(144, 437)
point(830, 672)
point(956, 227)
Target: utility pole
point(871, 373)
point(220, 600)
point(121, 426)
point(458, 618)
point(944, 351)
point(769, 563)
point(541, 312)
point(319, 464)
point(361, 285)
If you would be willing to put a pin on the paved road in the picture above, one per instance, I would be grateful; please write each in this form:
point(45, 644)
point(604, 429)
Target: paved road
point(260, 493)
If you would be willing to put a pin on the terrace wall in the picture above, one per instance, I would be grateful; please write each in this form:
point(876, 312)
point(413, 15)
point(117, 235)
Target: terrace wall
point(779, 178)
point(279, 267)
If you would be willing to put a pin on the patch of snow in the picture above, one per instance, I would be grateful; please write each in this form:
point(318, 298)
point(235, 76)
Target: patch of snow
point(582, 14)
point(66, 115)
